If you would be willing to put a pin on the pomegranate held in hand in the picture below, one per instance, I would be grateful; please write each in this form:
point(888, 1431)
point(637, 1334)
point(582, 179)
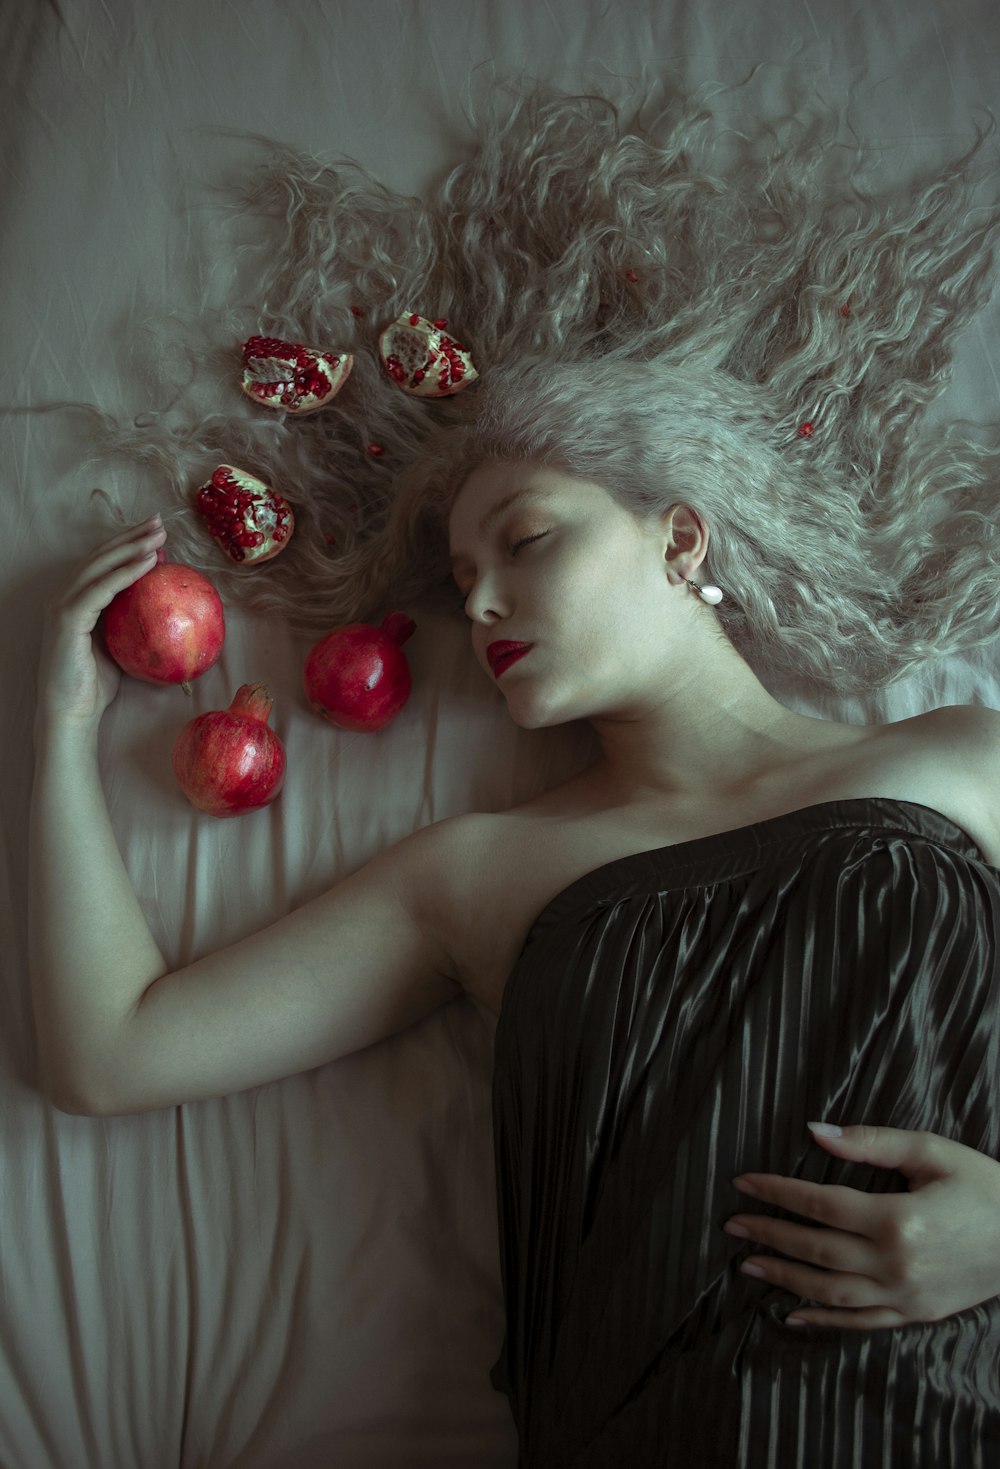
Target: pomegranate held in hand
point(357, 677)
point(168, 627)
point(250, 521)
point(228, 761)
point(289, 376)
point(420, 356)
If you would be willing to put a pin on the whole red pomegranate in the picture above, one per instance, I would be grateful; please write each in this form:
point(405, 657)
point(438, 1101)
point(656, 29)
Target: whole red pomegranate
point(357, 677)
point(228, 761)
point(168, 627)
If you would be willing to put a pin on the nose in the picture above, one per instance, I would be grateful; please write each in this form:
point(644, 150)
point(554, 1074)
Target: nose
point(484, 601)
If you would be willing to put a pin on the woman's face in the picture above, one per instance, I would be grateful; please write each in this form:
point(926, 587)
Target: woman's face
point(568, 570)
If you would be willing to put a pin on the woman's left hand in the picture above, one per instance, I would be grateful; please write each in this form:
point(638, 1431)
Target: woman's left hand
point(882, 1259)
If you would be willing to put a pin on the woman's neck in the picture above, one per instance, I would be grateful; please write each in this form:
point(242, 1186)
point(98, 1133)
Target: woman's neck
point(712, 734)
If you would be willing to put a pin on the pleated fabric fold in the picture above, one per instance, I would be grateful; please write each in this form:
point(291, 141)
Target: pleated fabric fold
point(674, 1019)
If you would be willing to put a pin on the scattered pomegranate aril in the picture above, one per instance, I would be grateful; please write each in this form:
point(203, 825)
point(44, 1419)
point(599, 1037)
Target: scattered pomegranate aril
point(250, 520)
point(423, 359)
point(290, 377)
point(167, 627)
point(229, 761)
point(357, 677)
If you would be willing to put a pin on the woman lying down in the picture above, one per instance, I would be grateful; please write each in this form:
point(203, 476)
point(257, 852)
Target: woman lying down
point(745, 947)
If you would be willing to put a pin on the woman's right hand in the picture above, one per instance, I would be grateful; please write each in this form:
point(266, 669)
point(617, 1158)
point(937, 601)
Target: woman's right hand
point(77, 680)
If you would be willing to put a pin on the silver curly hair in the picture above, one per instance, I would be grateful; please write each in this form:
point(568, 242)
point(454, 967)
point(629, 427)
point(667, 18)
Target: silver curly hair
point(760, 343)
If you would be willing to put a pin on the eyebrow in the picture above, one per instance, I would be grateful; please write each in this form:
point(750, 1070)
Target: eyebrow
point(491, 517)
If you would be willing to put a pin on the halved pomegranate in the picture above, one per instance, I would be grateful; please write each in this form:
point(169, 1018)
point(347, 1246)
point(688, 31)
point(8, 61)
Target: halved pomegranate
point(420, 356)
point(249, 519)
point(291, 377)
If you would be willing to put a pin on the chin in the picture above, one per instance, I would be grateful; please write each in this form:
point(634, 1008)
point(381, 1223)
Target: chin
point(528, 712)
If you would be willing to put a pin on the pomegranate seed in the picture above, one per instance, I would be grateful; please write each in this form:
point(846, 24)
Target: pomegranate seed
point(375, 449)
point(414, 320)
point(630, 275)
point(356, 311)
point(805, 430)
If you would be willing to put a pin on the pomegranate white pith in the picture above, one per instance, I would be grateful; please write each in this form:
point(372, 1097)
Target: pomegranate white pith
point(291, 377)
point(250, 520)
point(423, 359)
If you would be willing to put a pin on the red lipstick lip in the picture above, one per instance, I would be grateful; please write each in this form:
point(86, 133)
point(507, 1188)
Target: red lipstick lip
point(502, 655)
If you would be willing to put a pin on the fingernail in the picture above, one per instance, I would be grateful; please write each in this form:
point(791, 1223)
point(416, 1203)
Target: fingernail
point(825, 1129)
point(744, 1188)
point(755, 1271)
point(736, 1229)
point(795, 1321)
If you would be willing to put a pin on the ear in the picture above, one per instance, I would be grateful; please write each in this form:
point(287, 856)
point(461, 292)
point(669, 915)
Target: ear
point(685, 536)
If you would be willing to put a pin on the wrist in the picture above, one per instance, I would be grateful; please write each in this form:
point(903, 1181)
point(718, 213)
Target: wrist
point(54, 732)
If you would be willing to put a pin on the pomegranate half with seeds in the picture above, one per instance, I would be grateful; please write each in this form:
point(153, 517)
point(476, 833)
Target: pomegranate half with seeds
point(420, 356)
point(167, 627)
point(250, 520)
point(357, 677)
point(291, 377)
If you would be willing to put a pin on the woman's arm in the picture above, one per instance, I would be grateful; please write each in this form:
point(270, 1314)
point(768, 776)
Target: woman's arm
point(91, 954)
point(117, 1032)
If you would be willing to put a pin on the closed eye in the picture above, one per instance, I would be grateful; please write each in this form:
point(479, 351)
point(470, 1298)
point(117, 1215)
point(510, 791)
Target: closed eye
point(511, 551)
point(524, 541)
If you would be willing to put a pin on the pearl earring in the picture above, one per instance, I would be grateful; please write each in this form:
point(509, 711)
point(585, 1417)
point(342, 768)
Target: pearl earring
point(710, 594)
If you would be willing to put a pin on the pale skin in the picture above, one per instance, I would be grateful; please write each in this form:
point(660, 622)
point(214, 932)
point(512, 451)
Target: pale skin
point(674, 707)
point(682, 721)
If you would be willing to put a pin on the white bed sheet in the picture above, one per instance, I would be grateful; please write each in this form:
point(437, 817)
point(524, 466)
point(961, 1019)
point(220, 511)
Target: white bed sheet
point(303, 1275)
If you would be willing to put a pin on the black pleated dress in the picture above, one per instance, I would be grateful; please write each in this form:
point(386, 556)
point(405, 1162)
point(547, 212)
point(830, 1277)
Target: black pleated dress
point(675, 1018)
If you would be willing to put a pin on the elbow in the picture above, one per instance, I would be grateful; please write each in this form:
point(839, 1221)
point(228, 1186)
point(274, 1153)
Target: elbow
point(80, 1103)
point(73, 1104)
point(74, 1101)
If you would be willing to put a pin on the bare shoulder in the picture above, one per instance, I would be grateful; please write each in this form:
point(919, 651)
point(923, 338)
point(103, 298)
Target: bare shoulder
point(968, 733)
point(443, 866)
point(960, 744)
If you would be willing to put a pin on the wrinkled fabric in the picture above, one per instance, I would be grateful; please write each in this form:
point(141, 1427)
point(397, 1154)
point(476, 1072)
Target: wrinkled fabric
point(675, 1018)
